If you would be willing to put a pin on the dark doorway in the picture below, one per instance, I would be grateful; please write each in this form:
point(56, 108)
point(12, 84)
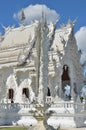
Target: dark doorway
point(26, 92)
point(11, 93)
point(48, 91)
point(65, 77)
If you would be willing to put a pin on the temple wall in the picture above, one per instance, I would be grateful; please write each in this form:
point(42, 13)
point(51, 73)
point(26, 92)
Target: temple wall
point(69, 57)
point(20, 76)
point(4, 74)
point(33, 83)
point(53, 85)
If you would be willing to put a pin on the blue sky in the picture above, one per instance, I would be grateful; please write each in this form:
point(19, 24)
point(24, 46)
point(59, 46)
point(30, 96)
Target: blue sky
point(66, 8)
point(73, 9)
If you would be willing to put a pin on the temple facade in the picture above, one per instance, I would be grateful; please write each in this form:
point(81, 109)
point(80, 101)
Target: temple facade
point(40, 64)
point(39, 59)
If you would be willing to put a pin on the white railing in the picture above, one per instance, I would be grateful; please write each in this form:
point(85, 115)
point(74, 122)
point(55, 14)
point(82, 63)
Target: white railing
point(49, 100)
point(10, 106)
point(66, 104)
point(77, 106)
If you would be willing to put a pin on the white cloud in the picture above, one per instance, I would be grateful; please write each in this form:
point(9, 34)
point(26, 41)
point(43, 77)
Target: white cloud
point(81, 38)
point(83, 58)
point(34, 12)
point(81, 42)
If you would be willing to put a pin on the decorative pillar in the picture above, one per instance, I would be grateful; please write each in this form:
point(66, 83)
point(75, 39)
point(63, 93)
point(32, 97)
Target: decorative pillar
point(43, 68)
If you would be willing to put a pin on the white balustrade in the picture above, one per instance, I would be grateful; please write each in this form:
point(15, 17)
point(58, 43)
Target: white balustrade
point(49, 99)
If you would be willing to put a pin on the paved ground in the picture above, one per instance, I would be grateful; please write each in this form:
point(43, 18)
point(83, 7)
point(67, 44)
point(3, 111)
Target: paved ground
point(41, 127)
point(74, 129)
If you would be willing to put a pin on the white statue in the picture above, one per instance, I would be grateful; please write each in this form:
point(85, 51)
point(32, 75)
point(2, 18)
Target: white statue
point(67, 90)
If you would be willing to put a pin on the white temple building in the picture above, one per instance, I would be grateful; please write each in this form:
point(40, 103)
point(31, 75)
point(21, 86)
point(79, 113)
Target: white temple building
point(40, 64)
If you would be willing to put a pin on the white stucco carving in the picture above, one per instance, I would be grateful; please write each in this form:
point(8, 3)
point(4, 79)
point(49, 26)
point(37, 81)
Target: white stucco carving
point(32, 59)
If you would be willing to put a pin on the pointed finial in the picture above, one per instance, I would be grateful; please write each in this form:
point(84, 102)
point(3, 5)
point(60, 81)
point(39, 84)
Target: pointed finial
point(22, 16)
point(72, 23)
point(69, 21)
point(43, 15)
point(42, 11)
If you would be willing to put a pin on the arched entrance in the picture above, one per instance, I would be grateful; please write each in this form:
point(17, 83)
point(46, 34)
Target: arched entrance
point(25, 91)
point(65, 77)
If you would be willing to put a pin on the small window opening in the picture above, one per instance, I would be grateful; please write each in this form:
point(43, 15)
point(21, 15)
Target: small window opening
point(26, 92)
point(48, 91)
point(11, 94)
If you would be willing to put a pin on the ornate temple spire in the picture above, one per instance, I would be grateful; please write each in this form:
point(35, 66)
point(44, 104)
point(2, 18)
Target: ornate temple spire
point(42, 9)
point(43, 16)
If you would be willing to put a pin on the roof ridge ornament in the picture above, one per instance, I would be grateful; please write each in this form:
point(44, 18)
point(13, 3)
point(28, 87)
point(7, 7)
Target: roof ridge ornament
point(72, 23)
point(22, 16)
point(1, 37)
